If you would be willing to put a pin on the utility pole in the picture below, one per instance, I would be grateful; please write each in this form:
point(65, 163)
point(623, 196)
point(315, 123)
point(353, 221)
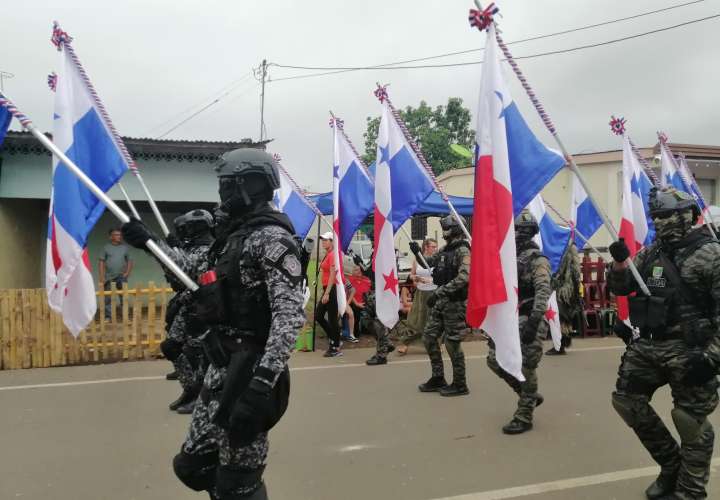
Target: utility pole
point(3, 75)
point(263, 76)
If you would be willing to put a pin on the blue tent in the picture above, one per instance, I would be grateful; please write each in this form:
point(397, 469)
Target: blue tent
point(433, 204)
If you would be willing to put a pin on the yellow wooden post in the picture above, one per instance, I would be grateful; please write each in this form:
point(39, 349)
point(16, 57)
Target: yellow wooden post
point(4, 330)
point(126, 321)
point(137, 323)
point(151, 317)
point(100, 339)
point(34, 330)
point(45, 328)
point(163, 311)
point(13, 329)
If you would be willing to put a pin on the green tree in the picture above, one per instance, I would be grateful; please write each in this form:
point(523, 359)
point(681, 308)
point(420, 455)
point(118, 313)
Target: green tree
point(434, 130)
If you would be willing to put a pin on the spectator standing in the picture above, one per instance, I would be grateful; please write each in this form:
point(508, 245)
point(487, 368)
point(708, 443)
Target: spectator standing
point(115, 267)
point(326, 313)
point(424, 288)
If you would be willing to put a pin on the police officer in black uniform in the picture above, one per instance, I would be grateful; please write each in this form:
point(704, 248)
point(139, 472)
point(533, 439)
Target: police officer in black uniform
point(253, 311)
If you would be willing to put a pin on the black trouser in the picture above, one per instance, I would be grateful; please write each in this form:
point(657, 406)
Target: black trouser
point(331, 324)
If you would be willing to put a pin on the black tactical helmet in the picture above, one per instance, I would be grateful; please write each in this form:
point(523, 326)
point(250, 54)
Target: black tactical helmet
point(450, 222)
point(667, 201)
point(194, 216)
point(245, 161)
point(527, 220)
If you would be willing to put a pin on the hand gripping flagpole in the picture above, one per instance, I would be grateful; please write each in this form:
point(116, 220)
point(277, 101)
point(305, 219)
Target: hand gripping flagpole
point(663, 139)
point(301, 192)
point(339, 124)
point(482, 19)
point(62, 40)
point(382, 95)
point(99, 193)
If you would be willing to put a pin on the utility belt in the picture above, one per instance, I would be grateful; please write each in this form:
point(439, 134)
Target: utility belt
point(650, 315)
point(219, 347)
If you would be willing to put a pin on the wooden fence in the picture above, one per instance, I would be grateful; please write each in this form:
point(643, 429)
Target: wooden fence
point(32, 335)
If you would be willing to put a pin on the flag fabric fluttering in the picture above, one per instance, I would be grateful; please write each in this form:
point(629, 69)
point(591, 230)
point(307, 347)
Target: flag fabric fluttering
point(294, 204)
point(492, 295)
point(5, 119)
point(636, 226)
point(553, 238)
point(387, 292)
point(355, 194)
point(670, 175)
point(583, 214)
point(79, 130)
point(692, 186)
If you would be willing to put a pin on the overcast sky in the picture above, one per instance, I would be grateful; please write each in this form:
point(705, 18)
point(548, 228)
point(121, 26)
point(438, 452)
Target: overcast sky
point(151, 60)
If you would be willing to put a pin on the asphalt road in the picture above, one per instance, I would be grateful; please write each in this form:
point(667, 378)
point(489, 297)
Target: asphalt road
point(352, 432)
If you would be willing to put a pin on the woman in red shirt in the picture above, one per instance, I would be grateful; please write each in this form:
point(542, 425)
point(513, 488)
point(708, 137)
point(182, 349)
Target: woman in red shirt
point(326, 313)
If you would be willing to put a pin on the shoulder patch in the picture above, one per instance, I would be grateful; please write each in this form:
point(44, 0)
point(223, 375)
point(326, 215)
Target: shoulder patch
point(276, 250)
point(291, 264)
point(283, 254)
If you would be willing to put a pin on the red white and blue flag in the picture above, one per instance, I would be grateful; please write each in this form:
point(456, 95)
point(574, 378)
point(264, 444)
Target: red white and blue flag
point(80, 131)
point(583, 215)
point(295, 205)
point(492, 296)
point(636, 227)
point(5, 119)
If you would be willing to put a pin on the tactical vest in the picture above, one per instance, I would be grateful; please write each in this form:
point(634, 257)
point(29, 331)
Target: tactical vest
point(448, 267)
point(673, 310)
point(526, 285)
point(247, 309)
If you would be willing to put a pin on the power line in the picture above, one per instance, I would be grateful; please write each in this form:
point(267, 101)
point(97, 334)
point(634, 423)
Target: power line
point(337, 70)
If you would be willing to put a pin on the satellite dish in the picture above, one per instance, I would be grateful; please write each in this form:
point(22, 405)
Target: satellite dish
point(461, 151)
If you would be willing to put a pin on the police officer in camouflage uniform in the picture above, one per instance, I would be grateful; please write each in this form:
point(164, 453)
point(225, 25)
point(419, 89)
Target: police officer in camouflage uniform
point(254, 312)
point(193, 236)
point(533, 270)
point(446, 317)
point(678, 343)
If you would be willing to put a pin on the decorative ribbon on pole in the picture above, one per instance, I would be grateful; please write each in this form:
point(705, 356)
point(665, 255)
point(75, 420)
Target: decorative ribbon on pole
point(382, 95)
point(99, 193)
point(663, 140)
point(551, 128)
point(62, 40)
point(340, 124)
point(301, 192)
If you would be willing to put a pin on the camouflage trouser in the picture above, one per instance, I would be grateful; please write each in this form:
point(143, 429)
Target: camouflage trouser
point(645, 367)
point(403, 332)
point(207, 460)
point(446, 321)
point(382, 334)
point(190, 366)
point(527, 390)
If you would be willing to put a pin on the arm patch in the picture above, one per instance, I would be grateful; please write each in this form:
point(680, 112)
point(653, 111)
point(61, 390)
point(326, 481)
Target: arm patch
point(283, 255)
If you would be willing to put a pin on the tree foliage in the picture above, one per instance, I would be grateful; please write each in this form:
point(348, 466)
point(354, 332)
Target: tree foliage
point(434, 130)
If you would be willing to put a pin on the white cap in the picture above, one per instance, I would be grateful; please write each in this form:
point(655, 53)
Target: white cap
point(327, 235)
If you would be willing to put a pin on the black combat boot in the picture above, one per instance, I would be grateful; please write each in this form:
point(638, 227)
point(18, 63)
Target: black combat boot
point(517, 427)
point(662, 487)
point(376, 360)
point(455, 389)
point(539, 399)
point(434, 384)
point(187, 396)
point(554, 352)
point(173, 375)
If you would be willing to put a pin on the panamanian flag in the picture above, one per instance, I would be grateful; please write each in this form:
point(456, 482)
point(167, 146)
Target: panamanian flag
point(80, 131)
point(294, 204)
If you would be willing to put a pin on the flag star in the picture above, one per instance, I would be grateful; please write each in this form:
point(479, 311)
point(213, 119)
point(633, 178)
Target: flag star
point(336, 171)
point(391, 282)
point(384, 154)
point(550, 314)
point(502, 104)
point(56, 116)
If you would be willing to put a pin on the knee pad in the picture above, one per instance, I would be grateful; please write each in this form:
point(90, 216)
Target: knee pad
point(689, 426)
point(197, 472)
point(239, 483)
point(626, 407)
point(171, 349)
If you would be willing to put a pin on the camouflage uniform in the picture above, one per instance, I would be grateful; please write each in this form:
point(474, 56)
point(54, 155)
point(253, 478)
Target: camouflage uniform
point(208, 459)
point(381, 332)
point(567, 285)
point(446, 318)
point(533, 294)
point(654, 360)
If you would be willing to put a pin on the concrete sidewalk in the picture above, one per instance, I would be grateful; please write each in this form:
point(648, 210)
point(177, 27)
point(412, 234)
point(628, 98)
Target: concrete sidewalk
point(352, 432)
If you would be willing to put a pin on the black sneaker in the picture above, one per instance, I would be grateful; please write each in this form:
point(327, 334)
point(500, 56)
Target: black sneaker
point(434, 384)
point(454, 390)
point(517, 427)
point(376, 360)
point(662, 487)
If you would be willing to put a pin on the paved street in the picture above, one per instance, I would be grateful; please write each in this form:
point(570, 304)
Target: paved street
point(352, 432)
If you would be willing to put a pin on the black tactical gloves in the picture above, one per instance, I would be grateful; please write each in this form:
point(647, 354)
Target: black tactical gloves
point(700, 370)
point(173, 241)
point(136, 233)
point(529, 331)
point(414, 247)
point(619, 250)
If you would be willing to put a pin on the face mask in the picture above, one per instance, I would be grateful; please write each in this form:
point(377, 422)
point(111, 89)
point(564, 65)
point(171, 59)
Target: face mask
point(524, 234)
point(674, 227)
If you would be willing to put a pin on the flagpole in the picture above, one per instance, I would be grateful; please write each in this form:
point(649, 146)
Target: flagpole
point(662, 139)
point(382, 95)
point(127, 200)
point(317, 273)
point(62, 40)
point(692, 183)
point(99, 193)
point(482, 20)
point(572, 227)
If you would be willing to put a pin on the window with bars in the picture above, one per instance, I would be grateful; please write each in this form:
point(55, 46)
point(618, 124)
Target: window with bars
point(418, 228)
